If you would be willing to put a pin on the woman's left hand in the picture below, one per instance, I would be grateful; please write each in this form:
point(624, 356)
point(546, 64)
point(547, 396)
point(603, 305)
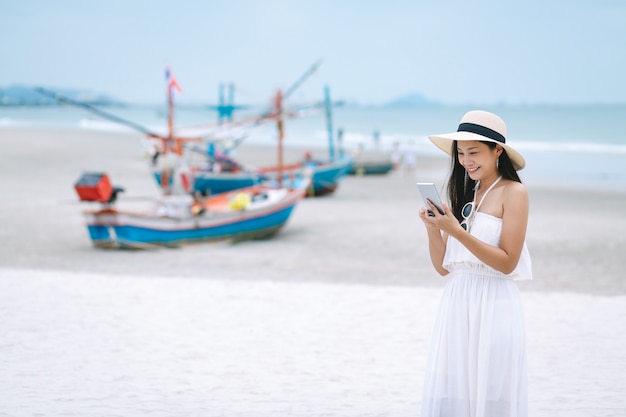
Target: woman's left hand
point(446, 222)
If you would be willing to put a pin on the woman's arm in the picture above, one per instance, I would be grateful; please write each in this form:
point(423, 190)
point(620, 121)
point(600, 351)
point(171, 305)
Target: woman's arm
point(504, 257)
point(437, 249)
point(436, 243)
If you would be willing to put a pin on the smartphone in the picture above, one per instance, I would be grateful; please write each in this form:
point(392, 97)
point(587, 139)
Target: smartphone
point(429, 192)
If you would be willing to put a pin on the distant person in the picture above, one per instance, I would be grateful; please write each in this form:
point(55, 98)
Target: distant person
point(376, 138)
point(477, 363)
point(340, 142)
point(396, 155)
point(356, 153)
point(409, 160)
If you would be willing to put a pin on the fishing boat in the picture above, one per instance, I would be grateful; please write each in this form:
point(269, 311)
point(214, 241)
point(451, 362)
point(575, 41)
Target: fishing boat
point(325, 176)
point(222, 174)
point(371, 166)
point(180, 214)
point(250, 213)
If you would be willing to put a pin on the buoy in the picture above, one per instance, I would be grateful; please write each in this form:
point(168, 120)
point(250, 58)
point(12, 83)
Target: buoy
point(240, 201)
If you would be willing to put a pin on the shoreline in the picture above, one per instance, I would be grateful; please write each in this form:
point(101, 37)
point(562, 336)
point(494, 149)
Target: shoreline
point(262, 153)
point(367, 232)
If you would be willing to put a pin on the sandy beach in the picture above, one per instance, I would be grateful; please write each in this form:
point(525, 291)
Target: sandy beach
point(332, 316)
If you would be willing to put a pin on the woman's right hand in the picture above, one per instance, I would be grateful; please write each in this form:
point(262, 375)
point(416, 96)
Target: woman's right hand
point(445, 222)
point(436, 240)
point(427, 219)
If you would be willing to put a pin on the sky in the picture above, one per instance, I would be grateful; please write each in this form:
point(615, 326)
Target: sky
point(454, 52)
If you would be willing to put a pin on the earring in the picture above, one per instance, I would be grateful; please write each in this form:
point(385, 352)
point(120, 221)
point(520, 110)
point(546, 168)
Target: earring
point(498, 163)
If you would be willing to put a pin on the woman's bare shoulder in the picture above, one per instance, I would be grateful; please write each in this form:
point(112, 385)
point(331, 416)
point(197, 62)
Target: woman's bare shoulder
point(514, 190)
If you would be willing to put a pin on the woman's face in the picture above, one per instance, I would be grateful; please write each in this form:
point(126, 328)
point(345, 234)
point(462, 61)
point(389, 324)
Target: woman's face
point(478, 159)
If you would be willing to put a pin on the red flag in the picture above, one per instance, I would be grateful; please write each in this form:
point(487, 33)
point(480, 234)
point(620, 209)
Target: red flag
point(171, 80)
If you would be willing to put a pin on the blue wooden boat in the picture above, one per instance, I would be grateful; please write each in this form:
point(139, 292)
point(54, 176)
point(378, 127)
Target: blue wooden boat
point(181, 215)
point(371, 167)
point(325, 176)
point(209, 182)
point(250, 213)
point(223, 174)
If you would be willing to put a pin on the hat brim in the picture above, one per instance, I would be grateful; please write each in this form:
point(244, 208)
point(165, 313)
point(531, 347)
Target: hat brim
point(444, 142)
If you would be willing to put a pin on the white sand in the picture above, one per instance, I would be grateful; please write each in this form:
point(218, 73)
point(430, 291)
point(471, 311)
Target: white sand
point(274, 326)
point(102, 344)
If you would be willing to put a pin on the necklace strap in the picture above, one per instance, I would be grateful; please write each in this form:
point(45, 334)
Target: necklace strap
point(486, 192)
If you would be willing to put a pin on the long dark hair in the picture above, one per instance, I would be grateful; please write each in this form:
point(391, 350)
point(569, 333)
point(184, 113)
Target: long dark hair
point(461, 186)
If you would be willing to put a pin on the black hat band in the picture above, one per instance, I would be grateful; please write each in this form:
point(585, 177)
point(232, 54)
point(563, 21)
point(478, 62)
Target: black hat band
point(481, 130)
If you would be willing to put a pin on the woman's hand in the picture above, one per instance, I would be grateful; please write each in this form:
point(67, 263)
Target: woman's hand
point(427, 219)
point(436, 240)
point(446, 222)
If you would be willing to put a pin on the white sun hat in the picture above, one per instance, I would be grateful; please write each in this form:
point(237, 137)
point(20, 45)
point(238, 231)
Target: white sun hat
point(482, 126)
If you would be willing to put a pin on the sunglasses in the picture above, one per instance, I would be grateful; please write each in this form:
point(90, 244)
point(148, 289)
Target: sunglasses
point(468, 215)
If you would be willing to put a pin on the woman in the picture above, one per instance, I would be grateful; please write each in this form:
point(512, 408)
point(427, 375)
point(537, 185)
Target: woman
point(477, 364)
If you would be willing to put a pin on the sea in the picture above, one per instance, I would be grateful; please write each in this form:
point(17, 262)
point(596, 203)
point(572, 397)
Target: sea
point(572, 146)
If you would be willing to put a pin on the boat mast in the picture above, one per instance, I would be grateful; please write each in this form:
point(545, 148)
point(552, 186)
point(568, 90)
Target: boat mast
point(278, 103)
point(170, 123)
point(329, 123)
point(171, 143)
point(165, 177)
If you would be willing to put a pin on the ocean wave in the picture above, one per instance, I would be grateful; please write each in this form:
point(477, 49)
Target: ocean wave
point(102, 125)
point(574, 147)
point(106, 126)
point(318, 137)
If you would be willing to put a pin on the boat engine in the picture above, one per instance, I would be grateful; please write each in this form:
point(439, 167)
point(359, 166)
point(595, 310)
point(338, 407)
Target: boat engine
point(96, 187)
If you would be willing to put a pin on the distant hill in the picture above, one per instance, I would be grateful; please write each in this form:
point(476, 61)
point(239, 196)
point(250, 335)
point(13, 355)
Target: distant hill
point(23, 95)
point(412, 100)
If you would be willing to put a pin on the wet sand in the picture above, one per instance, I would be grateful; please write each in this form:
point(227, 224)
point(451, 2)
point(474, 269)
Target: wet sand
point(330, 317)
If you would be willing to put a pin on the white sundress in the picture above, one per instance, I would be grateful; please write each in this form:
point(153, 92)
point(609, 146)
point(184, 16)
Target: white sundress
point(477, 363)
